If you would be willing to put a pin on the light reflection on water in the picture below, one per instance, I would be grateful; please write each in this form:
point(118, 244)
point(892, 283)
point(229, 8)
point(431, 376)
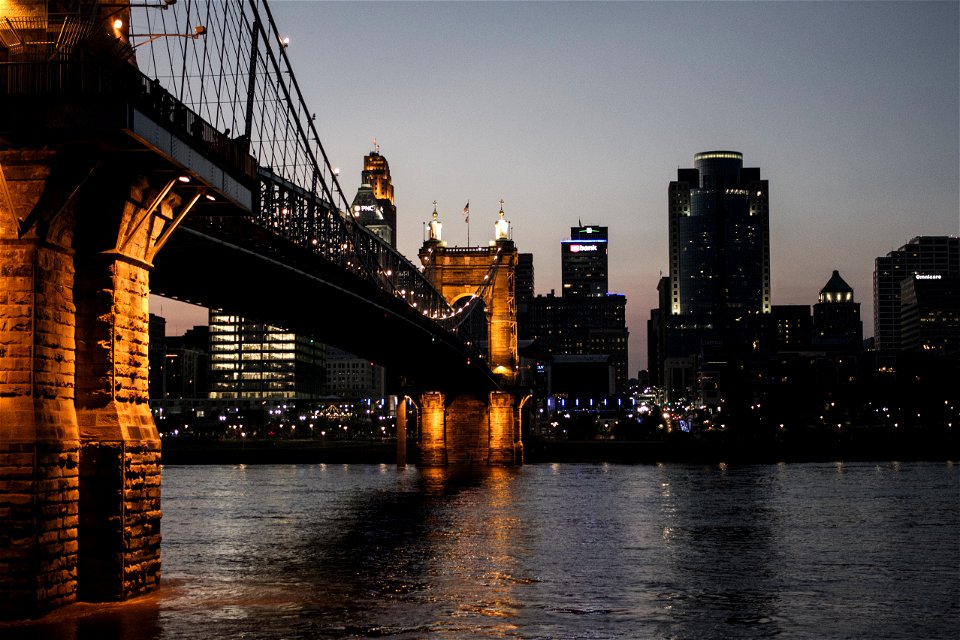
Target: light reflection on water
point(546, 551)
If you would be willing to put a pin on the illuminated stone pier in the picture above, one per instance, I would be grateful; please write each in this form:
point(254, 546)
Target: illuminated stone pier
point(467, 430)
point(79, 452)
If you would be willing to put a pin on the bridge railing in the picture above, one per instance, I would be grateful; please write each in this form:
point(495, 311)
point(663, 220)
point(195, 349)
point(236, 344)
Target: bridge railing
point(300, 216)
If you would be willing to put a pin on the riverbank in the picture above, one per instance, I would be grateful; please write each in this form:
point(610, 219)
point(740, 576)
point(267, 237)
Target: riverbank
point(542, 450)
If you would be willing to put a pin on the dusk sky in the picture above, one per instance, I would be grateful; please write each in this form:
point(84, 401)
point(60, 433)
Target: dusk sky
point(584, 111)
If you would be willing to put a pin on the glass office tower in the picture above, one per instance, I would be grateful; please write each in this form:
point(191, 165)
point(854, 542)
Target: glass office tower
point(719, 238)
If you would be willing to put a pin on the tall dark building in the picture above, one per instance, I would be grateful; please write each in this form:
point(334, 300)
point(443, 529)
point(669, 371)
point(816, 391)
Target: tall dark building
point(719, 238)
point(836, 317)
point(583, 262)
point(790, 326)
point(582, 326)
point(524, 277)
point(657, 333)
point(923, 255)
point(930, 314)
point(719, 295)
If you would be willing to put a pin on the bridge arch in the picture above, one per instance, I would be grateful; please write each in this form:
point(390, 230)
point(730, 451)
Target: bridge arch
point(485, 273)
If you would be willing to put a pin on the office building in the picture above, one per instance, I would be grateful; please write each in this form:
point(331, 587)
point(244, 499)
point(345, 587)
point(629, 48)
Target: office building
point(369, 212)
point(523, 277)
point(923, 255)
point(583, 262)
point(374, 206)
point(719, 254)
point(790, 327)
point(836, 317)
point(249, 360)
point(352, 377)
point(719, 238)
point(582, 326)
point(930, 314)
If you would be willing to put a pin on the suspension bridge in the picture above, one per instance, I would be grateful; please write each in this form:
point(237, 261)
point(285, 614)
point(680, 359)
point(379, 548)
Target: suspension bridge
point(166, 147)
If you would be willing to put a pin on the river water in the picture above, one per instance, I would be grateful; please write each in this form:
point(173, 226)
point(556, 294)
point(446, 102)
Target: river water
point(855, 550)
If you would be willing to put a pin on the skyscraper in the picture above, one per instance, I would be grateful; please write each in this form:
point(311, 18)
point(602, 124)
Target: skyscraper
point(583, 262)
point(373, 206)
point(719, 286)
point(923, 255)
point(719, 238)
point(836, 317)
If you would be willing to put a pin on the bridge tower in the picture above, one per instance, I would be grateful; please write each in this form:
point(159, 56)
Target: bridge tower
point(465, 428)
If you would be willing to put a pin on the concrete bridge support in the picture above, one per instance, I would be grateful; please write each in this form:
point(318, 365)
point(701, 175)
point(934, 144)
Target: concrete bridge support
point(79, 454)
point(467, 430)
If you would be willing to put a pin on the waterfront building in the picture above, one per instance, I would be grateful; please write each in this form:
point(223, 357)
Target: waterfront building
point(922, 255)
point(836, 317)
point(719, 238)
point(251, 360)
point(583, 262)
point(718, 301)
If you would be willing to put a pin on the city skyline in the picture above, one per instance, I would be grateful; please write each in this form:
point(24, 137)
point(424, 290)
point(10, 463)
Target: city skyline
point(573, 111)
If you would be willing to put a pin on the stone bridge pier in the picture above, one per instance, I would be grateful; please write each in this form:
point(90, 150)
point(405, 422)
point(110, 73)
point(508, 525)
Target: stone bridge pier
point(79, 452)
point(464, 430)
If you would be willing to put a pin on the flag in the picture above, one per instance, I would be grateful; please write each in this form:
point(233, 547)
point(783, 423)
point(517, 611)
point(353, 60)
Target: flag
point(466, 212)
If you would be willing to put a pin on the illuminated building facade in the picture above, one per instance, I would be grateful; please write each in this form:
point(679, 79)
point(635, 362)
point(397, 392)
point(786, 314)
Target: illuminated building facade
point(923, 255)
point(583, 262)
point(369, 212)
point(373, 206)
point(249, 360)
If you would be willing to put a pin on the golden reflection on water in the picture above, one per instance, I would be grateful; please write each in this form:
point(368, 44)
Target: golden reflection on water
point(475, 565)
